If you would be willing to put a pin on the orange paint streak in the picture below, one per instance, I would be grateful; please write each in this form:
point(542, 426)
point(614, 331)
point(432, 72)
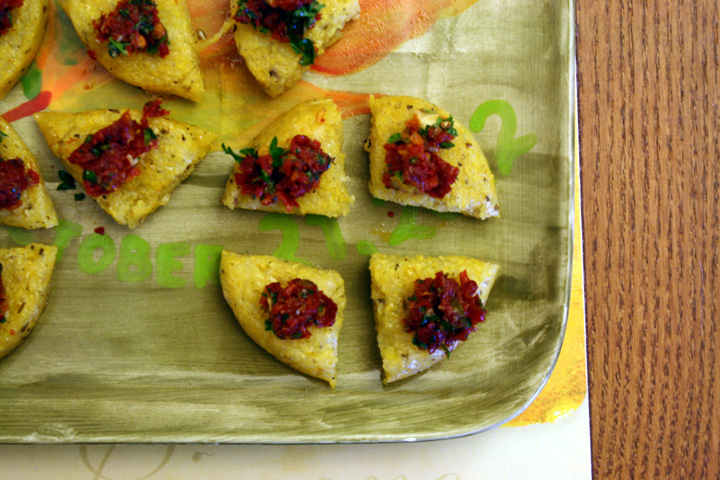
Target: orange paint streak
point(383, 25)
point(28, 108)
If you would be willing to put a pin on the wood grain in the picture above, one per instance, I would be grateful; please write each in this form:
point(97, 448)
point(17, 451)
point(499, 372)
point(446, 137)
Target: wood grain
point(649, 127)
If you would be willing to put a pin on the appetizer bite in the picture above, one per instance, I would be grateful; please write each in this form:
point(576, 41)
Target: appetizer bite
point(22, 28)
point(295, 165)
point(146, 43)
point(421, 156)
point(24, 200)
point(425, 307)
point(129, 161)
point(25, 274)
point(280, 39)
point(293, 311)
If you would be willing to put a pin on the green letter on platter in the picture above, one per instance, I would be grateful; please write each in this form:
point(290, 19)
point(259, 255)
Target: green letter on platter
point(86, 252)
point(64, 232)
point(167, 264)
point(134, 263)
point(207, 264)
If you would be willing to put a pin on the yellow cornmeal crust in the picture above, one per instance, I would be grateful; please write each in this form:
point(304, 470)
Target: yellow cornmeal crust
point(319, 120)
point(180, 147)
point(20, 44)
point(36, 210)
point(392, 282)
point(26, 274)
point(473, 192)
point(243, 279)
point(273, 63)
point(178, 73)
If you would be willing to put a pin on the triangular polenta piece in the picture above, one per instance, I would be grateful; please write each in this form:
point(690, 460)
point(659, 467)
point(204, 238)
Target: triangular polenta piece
point(20, 42)
point(177, 72)
point(274, 63)
point(35, 209)
point(393, 285)
point(472, 192)
point(319, 120)
point(179, 148)
point(26, 273)
point(244, 278)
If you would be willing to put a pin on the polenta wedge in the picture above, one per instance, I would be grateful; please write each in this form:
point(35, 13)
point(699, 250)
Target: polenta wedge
point(245, 278)
point(149, 44)
point(276, 59)
point(26, 273)
point(29, 207)
point(395, 281)
point(323, 189)
point(173, 149)
point(20, 41)
point(457, 179)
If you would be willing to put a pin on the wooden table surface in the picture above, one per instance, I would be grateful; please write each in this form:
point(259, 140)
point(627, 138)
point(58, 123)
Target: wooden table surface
point(649, 128)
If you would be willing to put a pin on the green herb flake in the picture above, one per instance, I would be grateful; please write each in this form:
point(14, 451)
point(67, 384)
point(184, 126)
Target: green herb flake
point(67, 182)
point(268, 325)
point(90, 176)
point(2, 135)
point(447, 145)
point(116, 48)
point(79, 197)
point(149, 135)
point(395, 138)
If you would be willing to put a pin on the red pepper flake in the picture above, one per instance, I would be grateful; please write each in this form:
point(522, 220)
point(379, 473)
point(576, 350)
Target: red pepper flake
point(100, 230)
point(286, 21)
point(14, 179)
point(413, 161)
point(109, 157)
point(443, 312)
point(3, 298)
point(284, 175)
point(293, 309)
point(6, 17)
point(390, 214)
point(134, 26)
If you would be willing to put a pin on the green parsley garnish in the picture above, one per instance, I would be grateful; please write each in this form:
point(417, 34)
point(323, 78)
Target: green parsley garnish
point(395, 138)
point(2, 135)
point(79, 197)
point(90, 176)
point(149, 135)
point(67, 181)
point(116, 48)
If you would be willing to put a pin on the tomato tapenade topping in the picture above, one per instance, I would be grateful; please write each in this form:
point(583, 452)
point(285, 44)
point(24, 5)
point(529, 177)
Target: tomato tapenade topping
point(442, 312)
point(412, 157)
point(14, 179)
point(109, 157)
point(3, 298)
point(280, 174)
point(134, 26)
point(286, 21)
point(6, 13)
point(292, 309)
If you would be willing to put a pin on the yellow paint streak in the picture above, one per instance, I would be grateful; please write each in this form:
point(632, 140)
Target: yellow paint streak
point(567, 386)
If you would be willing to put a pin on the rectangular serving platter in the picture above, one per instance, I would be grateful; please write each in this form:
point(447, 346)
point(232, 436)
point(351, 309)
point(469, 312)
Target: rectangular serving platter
point(163, 359)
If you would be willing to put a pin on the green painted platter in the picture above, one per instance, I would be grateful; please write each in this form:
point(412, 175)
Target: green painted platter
point(138, 345)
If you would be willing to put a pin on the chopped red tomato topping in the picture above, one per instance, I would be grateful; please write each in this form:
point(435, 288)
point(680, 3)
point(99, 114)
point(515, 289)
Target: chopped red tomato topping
point(109, 157)
point(413, 161)
point(134, 26)
point(294, 308)
point(283, 175)
point(285, 20)
point(442, 312)
point(14, 179)
point(6, 13)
